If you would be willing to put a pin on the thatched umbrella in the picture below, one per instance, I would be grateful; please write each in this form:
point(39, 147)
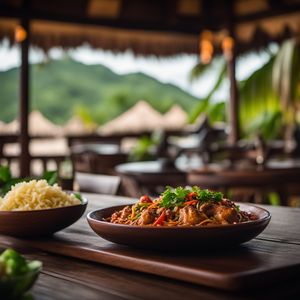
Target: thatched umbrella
point(175, 118)
point(75, 126)
point(9, 128)
point(38, 126)
point(139, 118)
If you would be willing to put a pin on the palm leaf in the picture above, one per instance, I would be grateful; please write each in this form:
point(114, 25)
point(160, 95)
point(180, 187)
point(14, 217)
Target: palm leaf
point(198, 71)
point(203, 105)
point(217, 112)
point(257, 96)
point(286, 72)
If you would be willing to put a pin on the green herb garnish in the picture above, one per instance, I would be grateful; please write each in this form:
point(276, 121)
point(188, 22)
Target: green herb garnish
point(78, 196)
point(173, 197)
point(207, 195)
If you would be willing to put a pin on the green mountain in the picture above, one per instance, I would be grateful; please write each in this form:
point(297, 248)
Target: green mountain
point(61, 88)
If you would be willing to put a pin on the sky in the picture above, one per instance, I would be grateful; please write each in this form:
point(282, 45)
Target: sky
point(173, 70)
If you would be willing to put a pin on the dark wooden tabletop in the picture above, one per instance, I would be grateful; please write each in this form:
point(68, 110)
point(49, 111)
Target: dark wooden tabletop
point(156, 167)
point(80, 265)
point(149, 177)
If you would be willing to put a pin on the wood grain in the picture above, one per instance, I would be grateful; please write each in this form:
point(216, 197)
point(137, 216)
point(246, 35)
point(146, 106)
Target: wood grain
point(259, 262)
point(66, 278)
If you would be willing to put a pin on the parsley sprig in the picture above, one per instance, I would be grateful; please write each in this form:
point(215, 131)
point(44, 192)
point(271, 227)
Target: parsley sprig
point(207, 195)
point(173, 197)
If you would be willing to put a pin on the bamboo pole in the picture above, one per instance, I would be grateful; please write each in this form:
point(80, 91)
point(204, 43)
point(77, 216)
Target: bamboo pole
point(233, 114)
point(233, 110)
point(24, 94)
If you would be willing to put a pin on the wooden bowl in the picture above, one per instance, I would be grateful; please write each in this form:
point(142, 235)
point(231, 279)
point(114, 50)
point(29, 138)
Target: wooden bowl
point(37, 223)
point(183, 237)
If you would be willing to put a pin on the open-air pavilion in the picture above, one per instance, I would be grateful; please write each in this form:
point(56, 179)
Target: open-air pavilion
point(159, 28)
point(178, 222)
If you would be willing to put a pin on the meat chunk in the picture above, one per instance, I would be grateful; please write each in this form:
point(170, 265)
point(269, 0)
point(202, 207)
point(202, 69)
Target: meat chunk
point(121, 216)
point(170, 214)
point(189, 215)
point(226, 215)
point(126, 211)
point(209, 209)
point(147, 217)
point(223, 214)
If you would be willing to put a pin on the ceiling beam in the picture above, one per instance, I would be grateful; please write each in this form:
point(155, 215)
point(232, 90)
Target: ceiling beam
point(189, 26)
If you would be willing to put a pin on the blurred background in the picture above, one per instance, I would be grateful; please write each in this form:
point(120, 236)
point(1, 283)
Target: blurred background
point(195, 86)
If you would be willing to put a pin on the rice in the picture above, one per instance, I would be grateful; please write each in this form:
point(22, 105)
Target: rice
point(36, 195)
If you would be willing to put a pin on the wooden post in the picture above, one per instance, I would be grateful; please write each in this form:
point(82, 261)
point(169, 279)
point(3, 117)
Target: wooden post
point(24, 94)
point(233, 110)
point(233, 115)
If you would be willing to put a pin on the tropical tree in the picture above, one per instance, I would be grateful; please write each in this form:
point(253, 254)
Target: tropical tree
point(215, 111)
point(286, 81)
point(269, 97)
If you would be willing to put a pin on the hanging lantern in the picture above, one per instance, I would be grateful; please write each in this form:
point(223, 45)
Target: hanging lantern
point(20, 34)
point(206, 46)
point(227, 46)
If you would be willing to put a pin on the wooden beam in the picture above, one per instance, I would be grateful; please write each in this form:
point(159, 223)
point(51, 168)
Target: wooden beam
point(233, 113)
point(191, 26)
point(24, 95)
point(233, 109)
point(274, 11)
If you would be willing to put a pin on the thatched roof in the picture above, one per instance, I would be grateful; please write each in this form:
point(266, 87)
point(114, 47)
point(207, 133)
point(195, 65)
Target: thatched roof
point(151, 27)
point(75, 126)
point(38, 126)
point(139, 118)
point(175, 118)
point(9, 128)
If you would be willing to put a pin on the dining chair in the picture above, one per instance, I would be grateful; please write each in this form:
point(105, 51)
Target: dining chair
point(254, 184)
point(96, 183)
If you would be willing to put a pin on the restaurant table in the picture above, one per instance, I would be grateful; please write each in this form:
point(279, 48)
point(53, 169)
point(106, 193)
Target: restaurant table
point(280, 177)
point(77, 264)
point(149, 177)
point(97, 158)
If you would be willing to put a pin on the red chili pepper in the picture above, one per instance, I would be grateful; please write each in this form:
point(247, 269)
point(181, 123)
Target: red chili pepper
point(190, 202)
point(191, 196)
point(145, 199)
point(160, 219)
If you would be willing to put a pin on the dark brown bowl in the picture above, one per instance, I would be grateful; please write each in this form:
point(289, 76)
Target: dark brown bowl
point(43, 222)
point(172, 238)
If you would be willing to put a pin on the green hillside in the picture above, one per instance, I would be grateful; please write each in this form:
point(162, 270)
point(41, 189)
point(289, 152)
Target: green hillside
point(61, 88)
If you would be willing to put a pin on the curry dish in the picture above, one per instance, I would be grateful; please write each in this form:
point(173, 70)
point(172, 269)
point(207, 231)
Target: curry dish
point(182, 207)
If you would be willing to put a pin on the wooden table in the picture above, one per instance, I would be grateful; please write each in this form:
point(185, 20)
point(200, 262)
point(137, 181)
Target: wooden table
point(80, 265)
point(97, 158)
point(149, 177)
point(280, 180)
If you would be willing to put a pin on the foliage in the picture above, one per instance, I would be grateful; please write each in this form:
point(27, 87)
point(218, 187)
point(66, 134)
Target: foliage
point(199, 70)
point(7, 180)
point(268, 97)
point(217, 112)
point(173, 197)
point(286, 73)
point(61, 88)
point(142, 150)
point(145, 147)
point(259, 104)
point(267, 124)
point(202, 106)
point(84, 114)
